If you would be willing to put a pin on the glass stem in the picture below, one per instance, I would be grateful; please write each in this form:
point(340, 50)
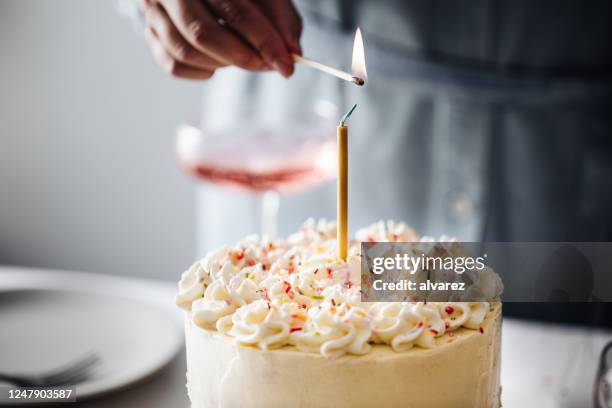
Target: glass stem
point(270, 201)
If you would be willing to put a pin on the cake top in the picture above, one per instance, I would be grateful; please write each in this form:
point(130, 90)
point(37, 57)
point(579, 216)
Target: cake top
point(296, 292)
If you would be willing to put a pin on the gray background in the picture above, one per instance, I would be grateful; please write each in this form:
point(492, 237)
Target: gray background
point(88, 176)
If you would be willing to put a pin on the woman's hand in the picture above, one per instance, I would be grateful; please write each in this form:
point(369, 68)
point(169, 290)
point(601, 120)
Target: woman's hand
point(192, 38)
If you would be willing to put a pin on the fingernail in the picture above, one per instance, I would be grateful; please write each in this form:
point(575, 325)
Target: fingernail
point(286, 69)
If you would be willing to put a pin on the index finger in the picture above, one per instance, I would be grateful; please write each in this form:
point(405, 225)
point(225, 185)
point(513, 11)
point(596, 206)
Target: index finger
point(253, 25)
point(287, 21)
point(202, 30)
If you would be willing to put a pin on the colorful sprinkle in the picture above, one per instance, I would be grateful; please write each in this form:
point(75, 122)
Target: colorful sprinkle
point(318, 297)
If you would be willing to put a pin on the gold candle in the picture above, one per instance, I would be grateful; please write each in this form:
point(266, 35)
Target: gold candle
point(342, 231)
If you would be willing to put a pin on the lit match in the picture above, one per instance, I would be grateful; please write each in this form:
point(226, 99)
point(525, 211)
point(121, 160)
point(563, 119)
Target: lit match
point(359, 75)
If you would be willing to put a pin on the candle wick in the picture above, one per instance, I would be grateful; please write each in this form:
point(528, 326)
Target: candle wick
point(347, 115)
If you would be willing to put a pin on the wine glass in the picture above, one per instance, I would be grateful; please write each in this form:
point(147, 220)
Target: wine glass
point(264, 156)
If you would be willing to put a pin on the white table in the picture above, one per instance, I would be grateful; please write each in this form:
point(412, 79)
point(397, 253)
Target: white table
point(543, 365)
point(549, 365)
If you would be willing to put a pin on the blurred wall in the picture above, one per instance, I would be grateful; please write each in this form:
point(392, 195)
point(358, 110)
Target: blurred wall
point(88, 177)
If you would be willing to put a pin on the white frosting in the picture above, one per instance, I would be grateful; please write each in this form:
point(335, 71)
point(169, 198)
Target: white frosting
point(336, 333)
point(389, 231)
point(296, 293)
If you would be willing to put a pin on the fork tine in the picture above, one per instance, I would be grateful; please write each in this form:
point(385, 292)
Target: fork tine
point(67, 365)
point(76, 378)
point(75, 364)
point(75, 368)
point(69, 372)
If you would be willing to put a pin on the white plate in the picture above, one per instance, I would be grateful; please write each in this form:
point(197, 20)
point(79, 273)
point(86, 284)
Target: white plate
point(42, 329)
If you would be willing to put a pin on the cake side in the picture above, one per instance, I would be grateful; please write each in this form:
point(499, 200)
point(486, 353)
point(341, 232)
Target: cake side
point(463, 373)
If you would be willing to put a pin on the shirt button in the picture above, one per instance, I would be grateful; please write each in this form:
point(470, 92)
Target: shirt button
point(460, 204)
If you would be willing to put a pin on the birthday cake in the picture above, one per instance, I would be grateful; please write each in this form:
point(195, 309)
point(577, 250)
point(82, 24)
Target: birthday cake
point(281, 323)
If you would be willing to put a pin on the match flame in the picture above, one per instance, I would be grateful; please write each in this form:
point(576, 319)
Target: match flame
point(359, 65)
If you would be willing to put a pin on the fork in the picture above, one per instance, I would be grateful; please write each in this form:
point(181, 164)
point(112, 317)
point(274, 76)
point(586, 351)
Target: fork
point(69, 374)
